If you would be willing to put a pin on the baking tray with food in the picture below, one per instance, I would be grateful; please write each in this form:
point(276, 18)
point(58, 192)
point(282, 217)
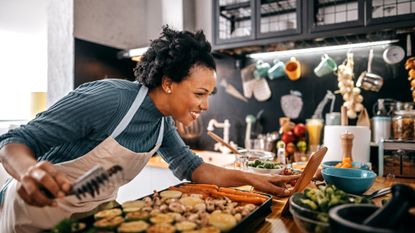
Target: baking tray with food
point(187, 207)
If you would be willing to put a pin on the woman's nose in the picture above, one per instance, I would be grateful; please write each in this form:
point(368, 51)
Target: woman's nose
point(204, 105)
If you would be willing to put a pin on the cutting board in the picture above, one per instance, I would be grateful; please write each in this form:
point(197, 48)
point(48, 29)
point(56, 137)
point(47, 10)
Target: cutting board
point(308, 173)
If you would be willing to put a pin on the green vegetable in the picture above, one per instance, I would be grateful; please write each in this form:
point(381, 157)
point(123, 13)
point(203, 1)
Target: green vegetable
point(265, 164)
point(68, 226)
point(324, 217)
point(311, 204)
point(325, 197)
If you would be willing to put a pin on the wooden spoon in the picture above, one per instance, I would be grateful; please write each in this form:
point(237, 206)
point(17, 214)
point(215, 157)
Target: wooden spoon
point(219, 139)
point(308, 173)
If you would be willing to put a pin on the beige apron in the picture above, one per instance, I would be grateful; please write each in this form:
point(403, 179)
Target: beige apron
point(17, 216)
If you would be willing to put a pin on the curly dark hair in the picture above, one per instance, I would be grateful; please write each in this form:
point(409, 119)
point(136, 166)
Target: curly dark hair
point(173, 54)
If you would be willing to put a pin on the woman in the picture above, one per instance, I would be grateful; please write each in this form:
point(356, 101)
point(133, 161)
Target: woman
point(112, 122)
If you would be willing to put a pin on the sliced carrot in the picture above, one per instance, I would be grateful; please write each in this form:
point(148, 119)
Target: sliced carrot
point(239, 198)
point(238, 192)
point(213, 186)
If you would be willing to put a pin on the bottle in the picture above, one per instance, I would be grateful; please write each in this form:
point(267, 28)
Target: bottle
point(281, 158)
point(381, 123)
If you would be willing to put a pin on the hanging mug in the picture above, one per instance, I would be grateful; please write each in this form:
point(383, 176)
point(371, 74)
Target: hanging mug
point(327, 65)
point(277, 70)
point(293, 69)
point(261, 69)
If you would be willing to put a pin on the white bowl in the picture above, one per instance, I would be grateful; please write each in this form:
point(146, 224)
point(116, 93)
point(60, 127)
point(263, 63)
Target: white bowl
point(265, 170)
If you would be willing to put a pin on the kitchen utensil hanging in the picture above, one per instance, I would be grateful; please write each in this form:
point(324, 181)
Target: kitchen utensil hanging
point(292, 104)
point(231, 90)
point(408, 45)
point(368, 80)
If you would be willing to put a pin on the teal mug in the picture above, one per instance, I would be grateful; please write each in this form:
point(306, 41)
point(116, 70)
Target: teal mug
point(261, 69)
point(277, 70)
point(326, 66)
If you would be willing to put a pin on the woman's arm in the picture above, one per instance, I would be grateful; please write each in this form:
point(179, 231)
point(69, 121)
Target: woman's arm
point(211, 174)
point(18, 160)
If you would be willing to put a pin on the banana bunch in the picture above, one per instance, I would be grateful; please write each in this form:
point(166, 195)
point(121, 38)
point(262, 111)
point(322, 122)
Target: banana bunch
point(410, 66)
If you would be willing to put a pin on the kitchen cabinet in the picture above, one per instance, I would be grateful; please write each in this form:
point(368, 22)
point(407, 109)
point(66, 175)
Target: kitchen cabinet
point(389, 11)
point(329, 15)
point(243, 23)
point(248, 20)
point(233, 20)
point(277, 18)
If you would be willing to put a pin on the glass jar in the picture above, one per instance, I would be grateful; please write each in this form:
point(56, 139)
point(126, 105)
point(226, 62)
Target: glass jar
point(403, 124)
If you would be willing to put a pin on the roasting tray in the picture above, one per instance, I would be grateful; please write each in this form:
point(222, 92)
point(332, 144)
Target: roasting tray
point(248, 224)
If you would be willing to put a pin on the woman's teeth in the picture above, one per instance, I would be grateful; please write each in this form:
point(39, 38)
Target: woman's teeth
point(195, 115)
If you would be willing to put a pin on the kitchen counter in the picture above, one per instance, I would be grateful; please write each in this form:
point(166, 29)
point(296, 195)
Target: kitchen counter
point(218, 159)
point(275, 223)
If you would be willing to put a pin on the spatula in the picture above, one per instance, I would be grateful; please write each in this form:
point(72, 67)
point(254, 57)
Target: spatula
point(220, 140)
point(308, 173)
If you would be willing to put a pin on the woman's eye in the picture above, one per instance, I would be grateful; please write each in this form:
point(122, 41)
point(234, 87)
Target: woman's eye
point(200, 94)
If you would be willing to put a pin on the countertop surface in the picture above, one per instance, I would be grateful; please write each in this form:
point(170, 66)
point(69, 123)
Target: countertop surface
point(216, 158)
point(274, 222)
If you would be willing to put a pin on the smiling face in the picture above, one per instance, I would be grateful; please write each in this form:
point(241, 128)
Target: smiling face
point(188, 98)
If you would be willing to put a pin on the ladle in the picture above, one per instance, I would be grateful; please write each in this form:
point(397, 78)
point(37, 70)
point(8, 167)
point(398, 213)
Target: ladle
point(368, 80)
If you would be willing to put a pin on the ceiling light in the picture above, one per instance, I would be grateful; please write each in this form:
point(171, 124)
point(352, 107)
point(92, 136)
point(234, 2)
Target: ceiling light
point(326, 49)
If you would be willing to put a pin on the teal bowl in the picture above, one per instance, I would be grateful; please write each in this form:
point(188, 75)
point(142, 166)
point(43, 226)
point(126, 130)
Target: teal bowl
point(355, 164)
point(350, 180)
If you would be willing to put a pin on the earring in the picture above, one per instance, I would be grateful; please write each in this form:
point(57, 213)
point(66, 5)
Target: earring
point(168, 91)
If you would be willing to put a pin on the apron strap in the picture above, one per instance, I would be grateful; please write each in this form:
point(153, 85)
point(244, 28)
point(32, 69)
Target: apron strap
point(131, 112)
point(161, 132)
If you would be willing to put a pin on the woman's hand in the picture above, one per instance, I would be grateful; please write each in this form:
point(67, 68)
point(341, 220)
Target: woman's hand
point(272, 184)
point(42, 183)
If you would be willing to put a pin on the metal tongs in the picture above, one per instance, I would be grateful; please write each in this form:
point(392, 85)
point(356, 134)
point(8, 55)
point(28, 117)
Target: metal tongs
point(94, 179)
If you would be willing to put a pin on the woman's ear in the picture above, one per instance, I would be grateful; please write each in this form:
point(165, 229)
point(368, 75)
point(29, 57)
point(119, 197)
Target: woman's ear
point(166, 84)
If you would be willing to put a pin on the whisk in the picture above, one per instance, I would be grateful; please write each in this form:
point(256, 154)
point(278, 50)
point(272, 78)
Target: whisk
point(92, 181)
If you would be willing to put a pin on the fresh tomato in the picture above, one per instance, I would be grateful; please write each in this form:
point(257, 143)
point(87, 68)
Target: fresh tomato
point(288, 137)
point(299, 129)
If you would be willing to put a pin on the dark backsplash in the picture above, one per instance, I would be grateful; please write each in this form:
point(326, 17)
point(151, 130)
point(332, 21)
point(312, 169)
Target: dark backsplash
point(223, 106)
